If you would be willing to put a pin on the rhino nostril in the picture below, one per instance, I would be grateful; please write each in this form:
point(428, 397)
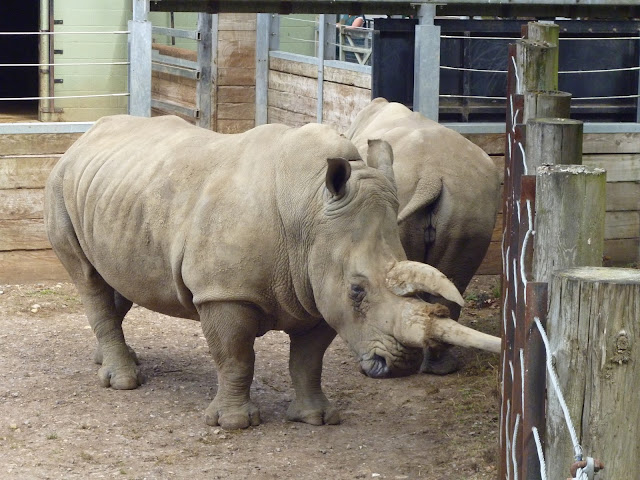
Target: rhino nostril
point(375, 366)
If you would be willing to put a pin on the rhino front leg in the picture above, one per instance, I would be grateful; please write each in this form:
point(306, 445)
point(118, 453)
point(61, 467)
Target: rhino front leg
point(305, 366)
point(230, 330)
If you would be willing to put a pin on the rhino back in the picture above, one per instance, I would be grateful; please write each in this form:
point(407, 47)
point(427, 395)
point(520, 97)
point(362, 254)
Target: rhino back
point(172, 215)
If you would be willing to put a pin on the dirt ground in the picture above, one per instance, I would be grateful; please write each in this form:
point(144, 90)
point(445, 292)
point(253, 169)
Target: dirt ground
point(56, 422)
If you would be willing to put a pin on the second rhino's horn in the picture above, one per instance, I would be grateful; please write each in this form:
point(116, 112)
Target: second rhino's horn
point(407, 278)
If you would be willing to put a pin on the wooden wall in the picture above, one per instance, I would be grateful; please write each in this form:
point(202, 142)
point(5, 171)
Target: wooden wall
point(293, 94)
point(233, 90)
point(619, 155)
point(25, 163)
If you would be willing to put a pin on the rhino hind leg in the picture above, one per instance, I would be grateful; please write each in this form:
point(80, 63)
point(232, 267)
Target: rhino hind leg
point(104, 310)
point(305, 366)
point(231, 329)
point(122, 307)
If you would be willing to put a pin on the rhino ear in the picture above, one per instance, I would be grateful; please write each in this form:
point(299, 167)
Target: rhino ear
point(380, 156)
point(338, 172)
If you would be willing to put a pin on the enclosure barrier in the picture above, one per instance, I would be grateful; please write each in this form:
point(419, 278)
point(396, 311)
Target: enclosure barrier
point(555, 220)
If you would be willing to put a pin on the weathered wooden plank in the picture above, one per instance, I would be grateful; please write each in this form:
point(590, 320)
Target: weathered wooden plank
point(292, 102)
point(20, 204)
point(293, 119)
point(492, 143)
point(593, 143)
point(237, 76)
point(166, 89)
point(285, 82)
point(622, 252)
point(623, 196)
point(621, 225)
point(236, 94)
point(620, 168)
point(348, 77)
point(176, 52)
point(29, 266)
point(604, 143)
point(236, 111)
point(26, 234)
point(232, 55)
point(157, 112)
point(236, 21)
point(29, 171)
point(235, 126)
point(492, 263)
point(36, 144)
point(245, 37)
point(295, 68)
point(341, 104)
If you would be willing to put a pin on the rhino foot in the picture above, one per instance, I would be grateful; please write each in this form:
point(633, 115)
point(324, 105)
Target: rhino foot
point(232, 418)
point(120, 378)
point(316, 412)
point(97, 356)
point(442, 362)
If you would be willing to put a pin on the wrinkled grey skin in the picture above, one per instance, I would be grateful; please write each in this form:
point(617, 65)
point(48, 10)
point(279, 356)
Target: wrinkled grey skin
point(276, 228)
point(448, 189)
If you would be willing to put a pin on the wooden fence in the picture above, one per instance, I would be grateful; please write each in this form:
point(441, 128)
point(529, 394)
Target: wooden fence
point(25, 163)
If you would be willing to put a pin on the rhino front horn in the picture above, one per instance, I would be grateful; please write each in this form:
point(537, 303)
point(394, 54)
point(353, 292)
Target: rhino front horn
point(407, 278)
point(419, 328)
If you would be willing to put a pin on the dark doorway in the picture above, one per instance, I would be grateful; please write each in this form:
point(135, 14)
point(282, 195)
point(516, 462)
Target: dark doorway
point(19, 82)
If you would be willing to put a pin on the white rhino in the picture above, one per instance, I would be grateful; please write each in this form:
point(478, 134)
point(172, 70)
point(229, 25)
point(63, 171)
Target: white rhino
point(448, 189)
point(275, 228)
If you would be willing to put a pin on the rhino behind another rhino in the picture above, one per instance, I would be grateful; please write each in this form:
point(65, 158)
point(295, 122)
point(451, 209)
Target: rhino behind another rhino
point(276, 228)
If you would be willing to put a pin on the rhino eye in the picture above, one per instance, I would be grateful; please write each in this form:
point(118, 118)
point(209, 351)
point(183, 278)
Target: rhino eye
point(357, 293)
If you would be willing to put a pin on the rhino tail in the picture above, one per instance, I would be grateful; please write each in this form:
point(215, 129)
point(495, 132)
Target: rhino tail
point(427, 192)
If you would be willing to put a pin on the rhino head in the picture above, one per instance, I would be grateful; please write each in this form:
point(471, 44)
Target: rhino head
point(364, 286)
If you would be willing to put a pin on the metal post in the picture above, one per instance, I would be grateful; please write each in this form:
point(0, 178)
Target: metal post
point(322, 34)
point(204, 83)
point(329, 37)
point(262, 66)
point(140, 60)
point(426, 90)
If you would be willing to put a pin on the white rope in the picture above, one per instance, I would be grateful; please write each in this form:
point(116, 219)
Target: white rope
point(115, 32)
point(68, 96)
point(607, 98)
point(474, 96)
point(75, 64)
point(604, 70)
point(446, 67)
point(562, 39)
point(303, 40)
point(523, 251)
point(556, 386)
point(543, 467)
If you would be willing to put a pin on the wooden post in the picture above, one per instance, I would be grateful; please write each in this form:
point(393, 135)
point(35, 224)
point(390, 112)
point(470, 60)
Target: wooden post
point(594, 337)
point(570, 207)
point(547, 105)
point(553, 141)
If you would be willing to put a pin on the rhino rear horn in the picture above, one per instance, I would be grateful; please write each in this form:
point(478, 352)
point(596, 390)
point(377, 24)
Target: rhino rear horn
point(380, 156)
point(407, 278)
point(338, 173)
